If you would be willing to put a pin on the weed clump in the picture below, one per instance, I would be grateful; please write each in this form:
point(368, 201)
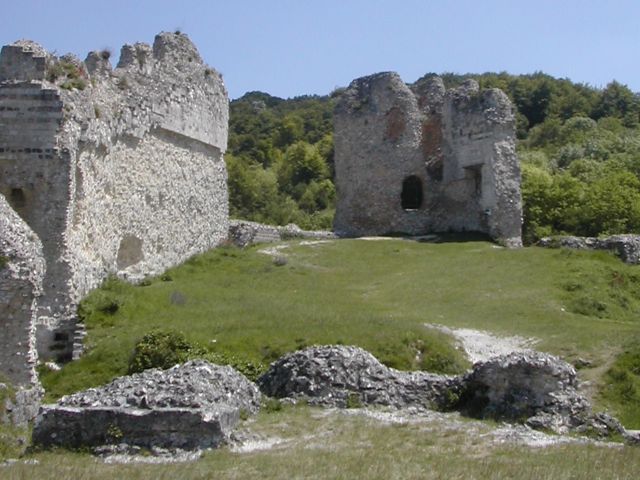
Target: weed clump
point(100, 303)
point(353, 400)
point(70, 75)
point(166, 348)
point(162, 349)
point(622, 388)
point(271, 405)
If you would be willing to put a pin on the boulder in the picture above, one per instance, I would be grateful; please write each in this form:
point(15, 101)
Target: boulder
point(194, 405)
point(524, 385)
point(350, 376)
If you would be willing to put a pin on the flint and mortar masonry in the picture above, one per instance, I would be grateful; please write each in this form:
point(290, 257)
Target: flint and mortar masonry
point(117, 171)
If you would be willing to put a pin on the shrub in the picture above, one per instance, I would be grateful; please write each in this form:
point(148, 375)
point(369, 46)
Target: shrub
point(71, 75)
point(162, 349)
point(101, 302)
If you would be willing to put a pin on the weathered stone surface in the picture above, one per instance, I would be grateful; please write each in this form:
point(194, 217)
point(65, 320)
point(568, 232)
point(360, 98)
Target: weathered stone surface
point(522, 385)
point(76, 427)
point(627, 247)
point(22, 268)
point(339, 375)
point(419, 159)
point(194, 405)
point(243, 233)
point(22, 407)
point(117, 171)
point(529, 387)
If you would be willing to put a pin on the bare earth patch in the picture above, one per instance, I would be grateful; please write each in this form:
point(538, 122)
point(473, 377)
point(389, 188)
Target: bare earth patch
point(329, 434)
point(276, 249)
point(480, 346)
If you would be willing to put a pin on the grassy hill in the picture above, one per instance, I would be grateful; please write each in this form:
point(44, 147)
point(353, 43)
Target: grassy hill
point(247, 308)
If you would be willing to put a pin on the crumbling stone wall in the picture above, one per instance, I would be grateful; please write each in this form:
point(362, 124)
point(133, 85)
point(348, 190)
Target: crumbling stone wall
point(418, 159)
point(22, 269)
point(117, 171)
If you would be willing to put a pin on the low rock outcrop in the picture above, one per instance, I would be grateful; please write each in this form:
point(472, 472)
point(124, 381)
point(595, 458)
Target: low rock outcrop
point(627, 247)
point(530, 387)
point(341, 376)
point(189, 406)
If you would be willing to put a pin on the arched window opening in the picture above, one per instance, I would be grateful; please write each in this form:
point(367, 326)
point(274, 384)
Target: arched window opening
point(411, 197)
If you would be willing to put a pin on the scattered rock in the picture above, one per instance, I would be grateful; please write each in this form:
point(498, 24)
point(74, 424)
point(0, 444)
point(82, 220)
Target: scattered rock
point(127, 454)
point(521, 385)
point(627, 247)
point(243, 233)
point(189, 406)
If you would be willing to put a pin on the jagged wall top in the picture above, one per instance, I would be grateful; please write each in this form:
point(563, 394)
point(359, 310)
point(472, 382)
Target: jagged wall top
point(166, 85)
point(418, 158)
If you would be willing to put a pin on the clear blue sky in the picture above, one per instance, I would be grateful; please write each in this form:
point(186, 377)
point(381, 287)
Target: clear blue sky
point(289, 47)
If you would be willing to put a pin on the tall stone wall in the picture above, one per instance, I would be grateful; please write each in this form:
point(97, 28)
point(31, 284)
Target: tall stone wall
point(22, 269)
point(417, 159)
point(117, 171)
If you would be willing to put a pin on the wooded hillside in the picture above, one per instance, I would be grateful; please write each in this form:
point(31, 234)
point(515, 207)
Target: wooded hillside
point(579, 147)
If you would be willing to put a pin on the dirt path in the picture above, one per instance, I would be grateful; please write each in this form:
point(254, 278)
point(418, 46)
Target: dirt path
point(481, 346)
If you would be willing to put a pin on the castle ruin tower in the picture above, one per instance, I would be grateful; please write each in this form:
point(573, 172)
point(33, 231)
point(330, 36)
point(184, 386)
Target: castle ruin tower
point(418, 158)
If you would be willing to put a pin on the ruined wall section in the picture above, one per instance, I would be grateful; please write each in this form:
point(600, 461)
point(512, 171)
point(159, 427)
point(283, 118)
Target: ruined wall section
point(35, 170)
point(149, 180)
point(127, 174)
point(482, 177)
point(417, 159)
point(22, 268)
point(376, 123)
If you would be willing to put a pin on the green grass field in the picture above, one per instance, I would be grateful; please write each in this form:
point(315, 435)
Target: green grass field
point(242, 304)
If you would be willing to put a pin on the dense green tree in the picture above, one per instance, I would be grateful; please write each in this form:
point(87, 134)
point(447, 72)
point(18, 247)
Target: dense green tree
point(616, 100)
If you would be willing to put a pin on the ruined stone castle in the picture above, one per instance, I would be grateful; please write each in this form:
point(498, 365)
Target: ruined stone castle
point(102, 171)
point(417, 159)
